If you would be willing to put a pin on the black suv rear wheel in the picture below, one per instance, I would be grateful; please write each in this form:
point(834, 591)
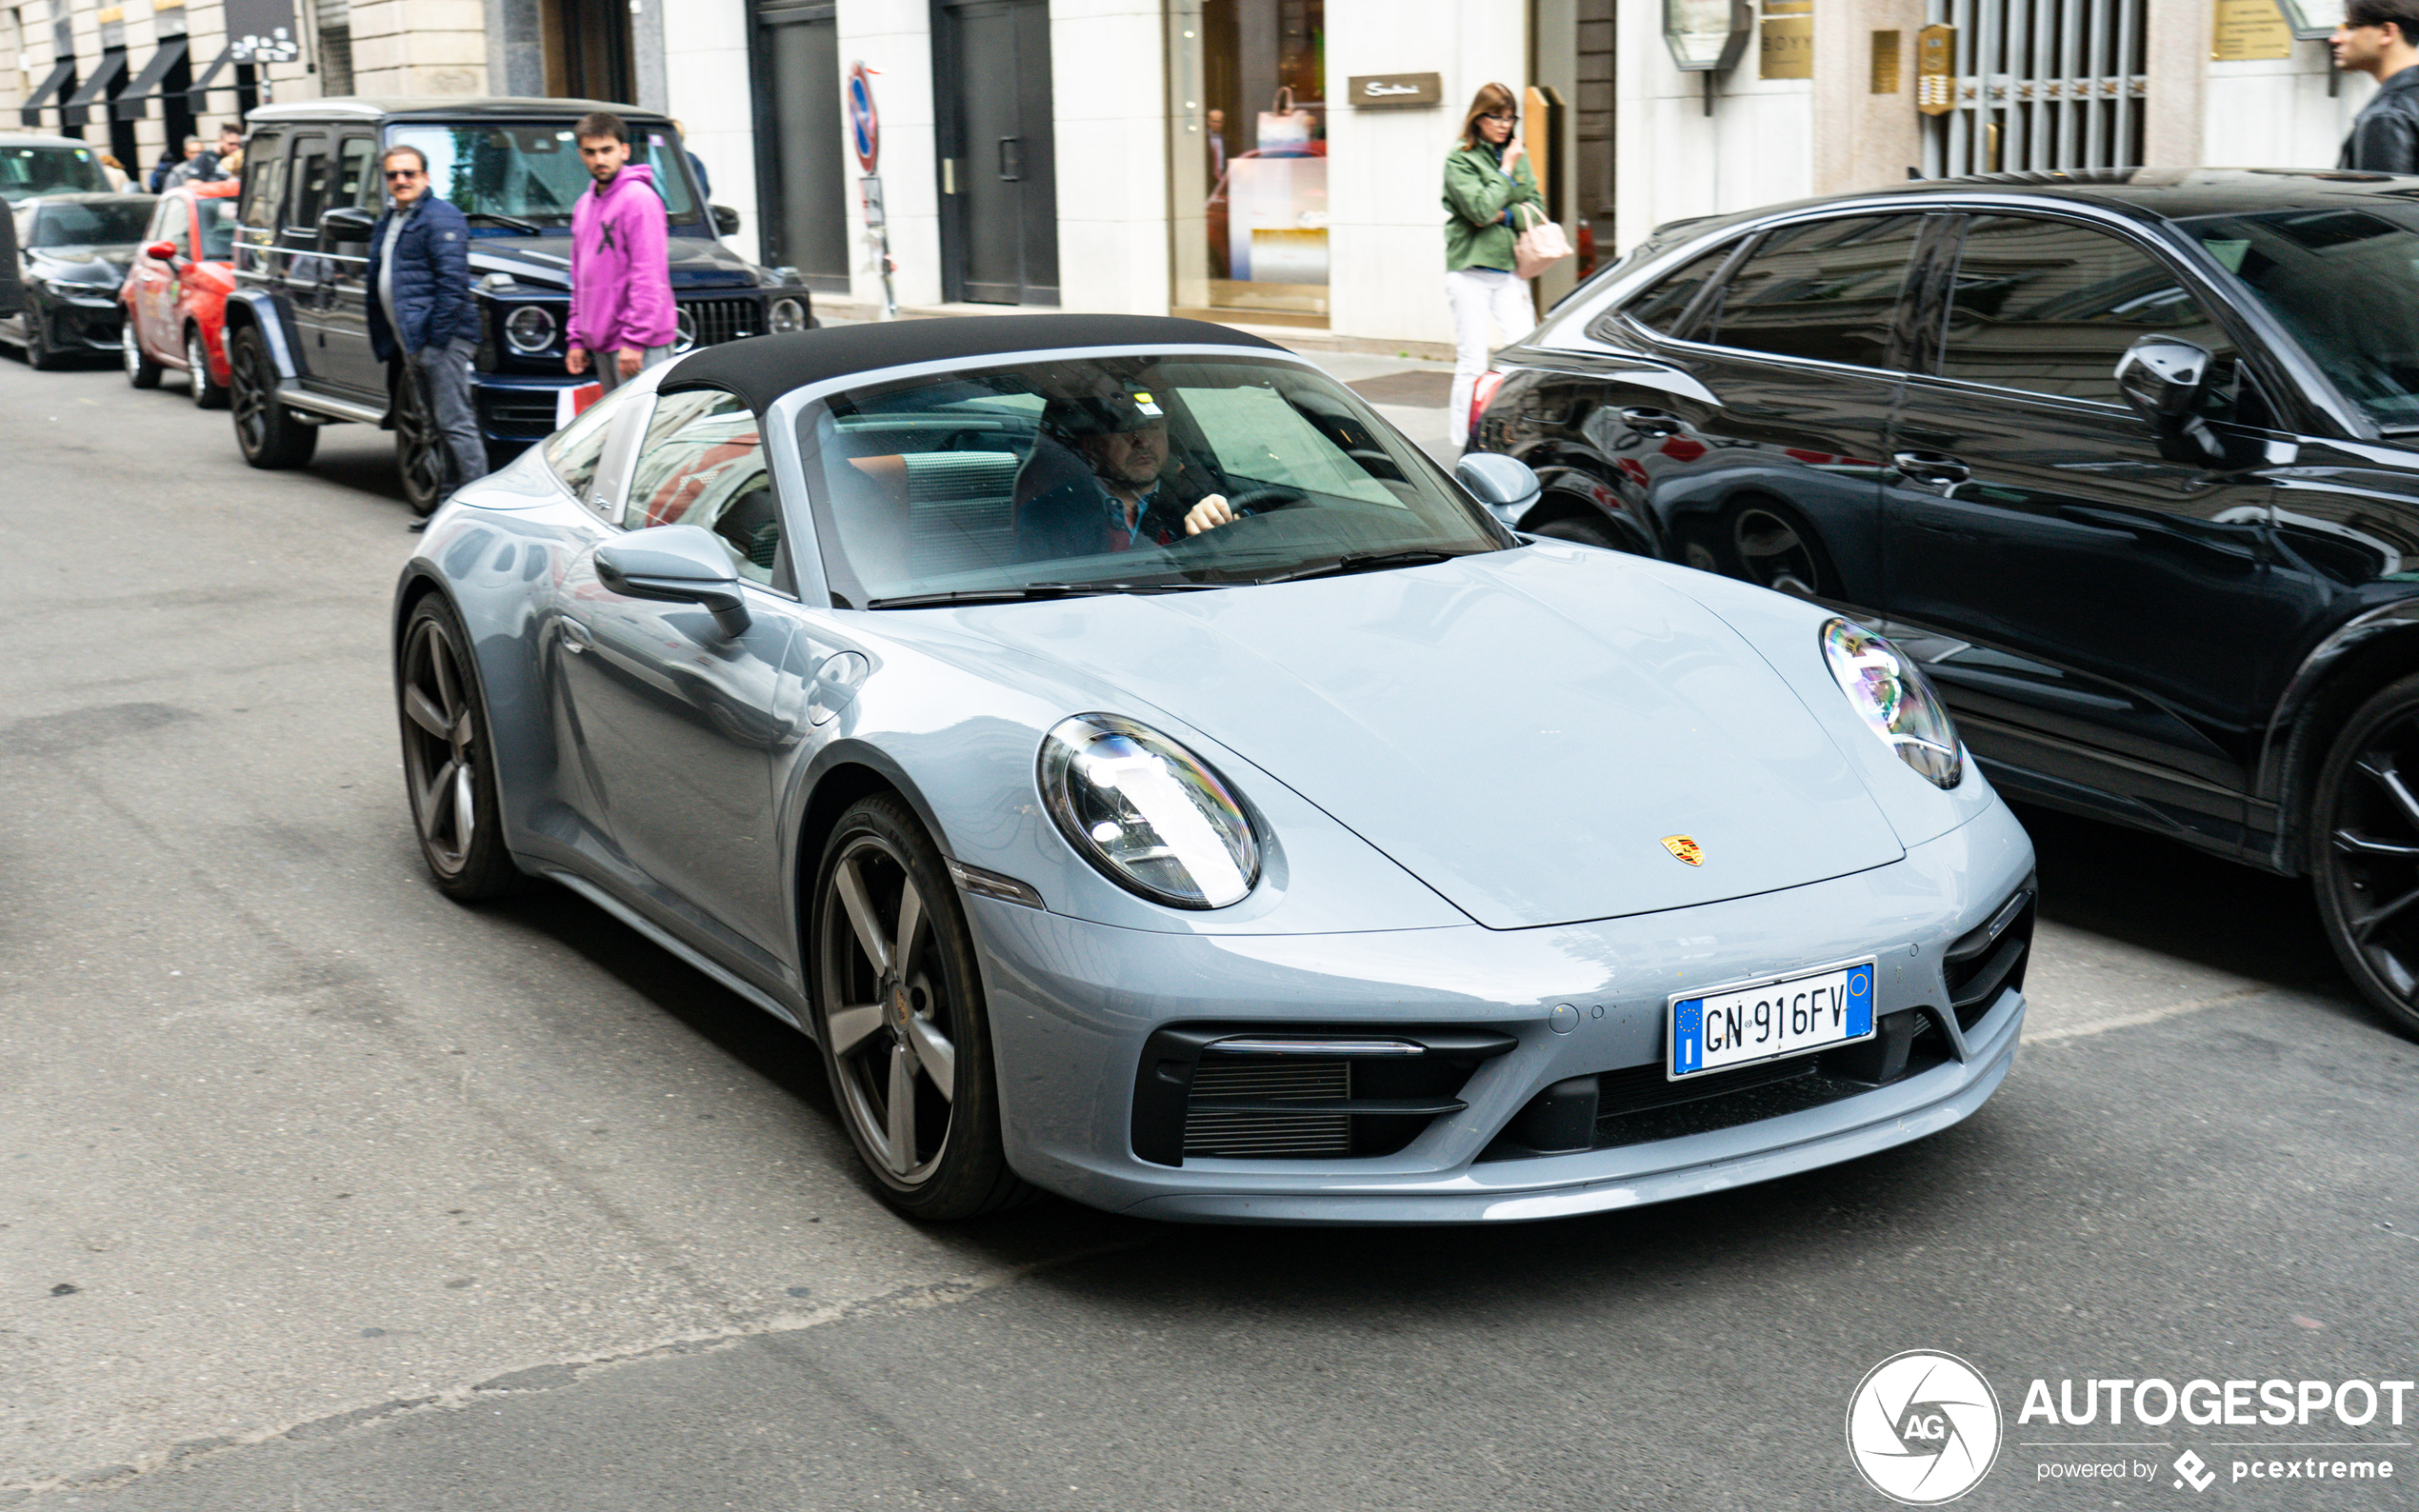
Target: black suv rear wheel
point(420, 450)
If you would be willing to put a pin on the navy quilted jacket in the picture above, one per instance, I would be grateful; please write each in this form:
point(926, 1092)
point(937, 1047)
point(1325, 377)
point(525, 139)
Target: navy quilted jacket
point(432, 280)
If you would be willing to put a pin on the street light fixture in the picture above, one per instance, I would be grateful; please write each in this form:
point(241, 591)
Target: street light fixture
point(1709, 36)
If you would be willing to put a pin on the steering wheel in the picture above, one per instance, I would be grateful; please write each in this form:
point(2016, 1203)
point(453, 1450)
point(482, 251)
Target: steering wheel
point(1262, 499)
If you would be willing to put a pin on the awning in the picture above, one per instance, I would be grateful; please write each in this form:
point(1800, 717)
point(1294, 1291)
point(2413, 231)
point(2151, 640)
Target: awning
point(136, 101)
point(30, 113)
point(113, 64)
point(197, 95)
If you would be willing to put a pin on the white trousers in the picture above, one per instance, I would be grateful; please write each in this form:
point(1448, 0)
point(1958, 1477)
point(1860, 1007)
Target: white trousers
point(1478, 296)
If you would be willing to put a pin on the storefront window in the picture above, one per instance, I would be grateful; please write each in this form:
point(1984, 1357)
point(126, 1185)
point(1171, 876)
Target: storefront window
point(1249, 162)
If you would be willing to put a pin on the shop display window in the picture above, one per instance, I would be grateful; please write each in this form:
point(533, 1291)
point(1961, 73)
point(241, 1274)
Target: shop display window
point(1248, 164)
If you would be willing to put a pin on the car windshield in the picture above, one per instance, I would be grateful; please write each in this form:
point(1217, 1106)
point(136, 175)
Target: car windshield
point(532, 172)
point(218, 229)
point(26, 171)
point(2345, 282)
point(118, 223)
point(1104, 474)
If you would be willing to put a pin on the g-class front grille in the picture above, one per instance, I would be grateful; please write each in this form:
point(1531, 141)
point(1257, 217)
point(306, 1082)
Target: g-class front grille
point(711, 321)
point(1291, 1093)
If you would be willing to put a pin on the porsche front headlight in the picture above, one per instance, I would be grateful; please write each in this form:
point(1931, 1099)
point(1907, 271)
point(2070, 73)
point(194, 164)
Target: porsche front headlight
point(1148, 813)
point(1890, 694)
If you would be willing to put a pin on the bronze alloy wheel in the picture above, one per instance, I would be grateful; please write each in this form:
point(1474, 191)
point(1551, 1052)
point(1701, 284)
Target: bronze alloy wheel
point(446, 762)
point(2366, 855)
point(901, 1020)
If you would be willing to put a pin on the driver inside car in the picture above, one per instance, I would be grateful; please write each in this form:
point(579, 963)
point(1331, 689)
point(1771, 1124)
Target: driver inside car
point(1099, 481)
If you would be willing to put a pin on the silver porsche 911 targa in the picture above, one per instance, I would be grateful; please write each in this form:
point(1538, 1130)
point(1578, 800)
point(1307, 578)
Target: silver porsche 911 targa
point(1147, 777)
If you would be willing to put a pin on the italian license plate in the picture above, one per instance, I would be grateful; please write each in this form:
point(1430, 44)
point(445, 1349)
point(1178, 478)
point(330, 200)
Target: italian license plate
point(1763, 1021)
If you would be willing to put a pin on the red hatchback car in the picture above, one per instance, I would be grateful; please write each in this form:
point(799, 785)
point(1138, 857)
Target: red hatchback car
point(176, 293)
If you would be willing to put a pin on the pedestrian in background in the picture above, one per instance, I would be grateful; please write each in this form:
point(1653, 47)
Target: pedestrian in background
point(696, 163)
point(115, 172)
point(1487, 180)
point(622, 319)
point(422, 313)
point(2376, 38)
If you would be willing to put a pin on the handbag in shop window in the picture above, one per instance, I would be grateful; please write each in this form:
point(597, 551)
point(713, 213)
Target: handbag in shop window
point(1285, 130)
point(1540, 244)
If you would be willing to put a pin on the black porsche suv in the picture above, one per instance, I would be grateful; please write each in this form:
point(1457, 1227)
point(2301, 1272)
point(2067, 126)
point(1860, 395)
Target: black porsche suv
point(298, 324)
point(2130, 461)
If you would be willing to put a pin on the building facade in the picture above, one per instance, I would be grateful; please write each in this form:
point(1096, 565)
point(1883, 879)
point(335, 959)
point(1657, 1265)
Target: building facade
point(1263, 161)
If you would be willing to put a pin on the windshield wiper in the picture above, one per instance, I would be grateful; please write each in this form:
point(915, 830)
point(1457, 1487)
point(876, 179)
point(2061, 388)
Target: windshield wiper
point(1031, 591)
point(509, 222)
point(1367, 562)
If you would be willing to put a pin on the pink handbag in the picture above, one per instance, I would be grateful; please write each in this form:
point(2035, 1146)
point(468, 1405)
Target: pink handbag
point(1540, 246)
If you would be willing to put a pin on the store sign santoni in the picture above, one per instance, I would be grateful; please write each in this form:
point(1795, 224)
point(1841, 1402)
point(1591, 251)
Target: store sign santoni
point(1381, 91)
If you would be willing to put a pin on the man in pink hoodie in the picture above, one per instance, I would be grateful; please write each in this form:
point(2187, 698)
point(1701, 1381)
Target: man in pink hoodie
point(622, 318)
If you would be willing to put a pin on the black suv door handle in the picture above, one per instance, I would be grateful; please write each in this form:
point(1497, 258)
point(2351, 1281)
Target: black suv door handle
point(1651, 422)
point(1929, 467)
point(1012, 159)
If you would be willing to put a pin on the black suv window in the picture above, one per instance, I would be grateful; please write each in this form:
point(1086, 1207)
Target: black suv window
point(264, 182)
point(311, 185)
point(1660, 307)
point(2050, 306)
point(1826, 289)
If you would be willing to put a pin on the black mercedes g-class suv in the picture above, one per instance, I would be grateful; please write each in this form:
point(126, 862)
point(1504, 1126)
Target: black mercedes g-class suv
point(298, 324)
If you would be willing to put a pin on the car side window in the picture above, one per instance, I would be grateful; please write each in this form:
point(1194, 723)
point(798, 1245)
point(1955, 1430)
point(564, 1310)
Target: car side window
point(1660, 307)
point(703, 463)
point(264, 182)
point(578, 449)
point(310, 198)
point(176, 226)
point(2050, 307)
point(1824, 289)
point(353, 174)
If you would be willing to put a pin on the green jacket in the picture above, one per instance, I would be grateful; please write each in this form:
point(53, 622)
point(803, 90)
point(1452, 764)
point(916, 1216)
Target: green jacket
point(1477, 191)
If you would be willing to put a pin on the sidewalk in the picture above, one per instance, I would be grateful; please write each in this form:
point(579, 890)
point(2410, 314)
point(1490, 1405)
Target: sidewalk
point(1408, 390)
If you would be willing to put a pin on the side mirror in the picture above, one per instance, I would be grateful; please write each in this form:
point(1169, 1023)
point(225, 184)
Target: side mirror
point(349, 224)
point(726, 221)
point(675, 564)
point(2162, 377)
point(1505, 484)
point(161, 251)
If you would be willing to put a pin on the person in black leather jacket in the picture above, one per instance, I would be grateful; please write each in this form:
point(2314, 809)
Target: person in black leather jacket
point(2376, 38)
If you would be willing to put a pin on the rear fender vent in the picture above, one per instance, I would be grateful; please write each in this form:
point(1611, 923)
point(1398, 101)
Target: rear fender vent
point(1986, 962)
point(1287, 1092)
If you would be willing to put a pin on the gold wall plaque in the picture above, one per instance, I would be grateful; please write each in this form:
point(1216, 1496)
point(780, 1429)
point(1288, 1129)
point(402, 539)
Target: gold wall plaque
point(1786, 39)
point(1885, 51)
point(2248, 30)
point(1936, 70)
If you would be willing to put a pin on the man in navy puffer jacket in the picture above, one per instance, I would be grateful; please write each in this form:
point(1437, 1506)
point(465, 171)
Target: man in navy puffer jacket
point(421, 308)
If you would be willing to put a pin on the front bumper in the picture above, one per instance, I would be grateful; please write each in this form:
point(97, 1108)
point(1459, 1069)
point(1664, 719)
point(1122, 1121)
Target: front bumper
point(91, 322)
point(518, 409)
point(1072, 1005)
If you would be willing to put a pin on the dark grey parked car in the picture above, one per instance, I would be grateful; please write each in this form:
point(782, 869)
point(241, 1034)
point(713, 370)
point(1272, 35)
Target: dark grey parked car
point(72, 255)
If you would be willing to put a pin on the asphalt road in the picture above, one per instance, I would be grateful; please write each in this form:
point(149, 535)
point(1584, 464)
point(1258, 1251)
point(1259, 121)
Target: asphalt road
point(318, 1191)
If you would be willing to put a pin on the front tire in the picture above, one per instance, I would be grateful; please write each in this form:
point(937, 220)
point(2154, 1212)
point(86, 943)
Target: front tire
point(39, 354)
point(208, 392)
point(140, 371)
point(2364, 861)
point(900, 1018)
point(270, 434)
point(448, 762)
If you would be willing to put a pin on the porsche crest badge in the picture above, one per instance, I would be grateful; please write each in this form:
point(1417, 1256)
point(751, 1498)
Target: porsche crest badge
point(1685, 850)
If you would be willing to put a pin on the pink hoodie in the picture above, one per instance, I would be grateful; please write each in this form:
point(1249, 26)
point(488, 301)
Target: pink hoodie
point(621, 275)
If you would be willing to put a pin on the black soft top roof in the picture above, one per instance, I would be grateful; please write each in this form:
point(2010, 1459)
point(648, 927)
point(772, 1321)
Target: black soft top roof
point(762, 369)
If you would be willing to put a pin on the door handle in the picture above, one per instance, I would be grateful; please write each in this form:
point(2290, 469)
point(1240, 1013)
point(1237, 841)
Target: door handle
point(575, 636)
point(1931, 467)
point(1012, 159)
point(1651, 423)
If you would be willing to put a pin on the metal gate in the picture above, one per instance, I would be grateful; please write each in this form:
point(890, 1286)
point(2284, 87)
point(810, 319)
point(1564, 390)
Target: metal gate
point(2038, 84)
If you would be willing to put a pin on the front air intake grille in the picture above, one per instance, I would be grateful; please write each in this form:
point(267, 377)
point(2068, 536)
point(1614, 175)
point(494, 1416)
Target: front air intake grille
point(520, 417)
point(1259, 1091)
point(1987, 961)
point(1212, 1130)
point(711, 321)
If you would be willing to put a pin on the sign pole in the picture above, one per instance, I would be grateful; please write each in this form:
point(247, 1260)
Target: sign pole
point(865, 134)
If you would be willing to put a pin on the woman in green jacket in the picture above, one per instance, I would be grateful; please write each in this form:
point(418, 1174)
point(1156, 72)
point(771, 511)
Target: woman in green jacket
point(1487, 179)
